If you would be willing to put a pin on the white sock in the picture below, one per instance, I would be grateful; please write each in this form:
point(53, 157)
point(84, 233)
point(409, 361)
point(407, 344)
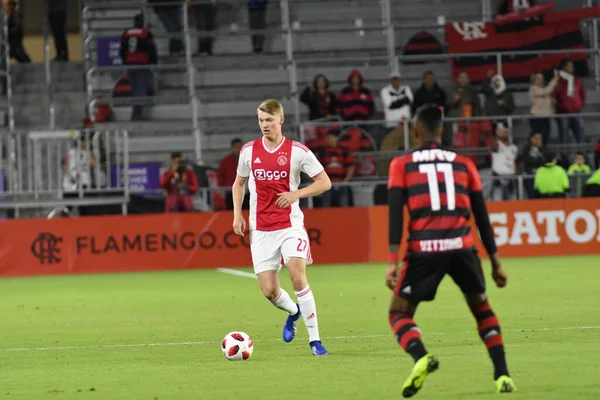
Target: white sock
point(284, 302)
point(308, 308)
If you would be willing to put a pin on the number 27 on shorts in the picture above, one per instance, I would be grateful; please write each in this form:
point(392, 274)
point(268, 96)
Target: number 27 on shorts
point(302, 244)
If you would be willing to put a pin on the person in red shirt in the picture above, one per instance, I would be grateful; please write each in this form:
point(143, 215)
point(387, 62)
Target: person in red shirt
point(339, 166)
point(570, 99)
point(181, 184)
point(227, 170)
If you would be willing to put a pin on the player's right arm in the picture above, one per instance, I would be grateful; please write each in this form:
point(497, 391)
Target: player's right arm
point(238, 190)
point(484, 226)
point(396, 201)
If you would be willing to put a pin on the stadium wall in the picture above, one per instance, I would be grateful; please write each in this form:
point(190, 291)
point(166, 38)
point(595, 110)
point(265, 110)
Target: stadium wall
point(206, 240)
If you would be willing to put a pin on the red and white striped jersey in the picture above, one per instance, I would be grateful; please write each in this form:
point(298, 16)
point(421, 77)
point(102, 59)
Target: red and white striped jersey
point(271, 172)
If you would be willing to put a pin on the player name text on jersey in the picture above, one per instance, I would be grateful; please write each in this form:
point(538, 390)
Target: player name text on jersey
point(428, 246)
point(433, 155)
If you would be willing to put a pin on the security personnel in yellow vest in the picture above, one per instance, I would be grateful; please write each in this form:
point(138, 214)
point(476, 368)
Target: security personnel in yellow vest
point(592, 186)
point(551, 180)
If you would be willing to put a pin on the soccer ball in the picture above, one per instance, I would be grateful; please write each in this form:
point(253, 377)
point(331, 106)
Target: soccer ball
point(237, 346)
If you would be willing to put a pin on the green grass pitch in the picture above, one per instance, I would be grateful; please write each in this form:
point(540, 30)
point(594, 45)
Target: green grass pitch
point(156, 336)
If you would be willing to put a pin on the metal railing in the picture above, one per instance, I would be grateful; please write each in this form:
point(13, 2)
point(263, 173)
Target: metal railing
point(191, 71)
point(56, 169)
point(8, 76)
point(48, 71)
point(307, 129)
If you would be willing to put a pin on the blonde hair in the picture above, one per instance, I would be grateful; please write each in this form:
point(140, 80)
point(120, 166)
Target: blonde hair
point(272, 107)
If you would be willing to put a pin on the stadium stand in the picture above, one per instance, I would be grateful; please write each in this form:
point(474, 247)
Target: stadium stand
point(327, 37)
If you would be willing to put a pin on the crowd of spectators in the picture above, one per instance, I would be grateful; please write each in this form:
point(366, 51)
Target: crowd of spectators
point(564, 94)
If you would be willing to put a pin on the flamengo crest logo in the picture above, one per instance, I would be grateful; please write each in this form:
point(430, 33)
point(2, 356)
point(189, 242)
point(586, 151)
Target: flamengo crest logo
point(46, 248)
point(470, 30)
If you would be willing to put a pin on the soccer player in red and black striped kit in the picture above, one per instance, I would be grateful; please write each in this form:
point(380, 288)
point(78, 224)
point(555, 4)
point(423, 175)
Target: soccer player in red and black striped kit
point(440, 188)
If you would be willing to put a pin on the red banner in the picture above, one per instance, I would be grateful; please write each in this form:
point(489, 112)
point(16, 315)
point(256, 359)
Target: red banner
point(206, 240)
point(162, 241)
point(555, 31)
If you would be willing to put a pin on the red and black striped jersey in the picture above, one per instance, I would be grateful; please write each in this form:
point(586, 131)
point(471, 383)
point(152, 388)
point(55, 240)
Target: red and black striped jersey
point(437, 186)
point(355, 105)
point(137, 47)
point(336, 161)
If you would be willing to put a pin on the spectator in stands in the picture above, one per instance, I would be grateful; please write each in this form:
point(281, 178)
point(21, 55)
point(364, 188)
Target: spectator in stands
point(339, 166)
point(551, 180)
point(570, 98)
point(257, 18)
point(170, 16)
point(429, 93)
point(465, 100)
point(509, 6)
point(138, 48)
point(579, 166)
point(592, 186)
point(320, 101)
point(57, 19)
point(78, 166)
point(397, 101)
point(15, 34)
point(181, 184)
point(227, 170)
point(504, 165)
point(542, 104)
point(394, 141)
point(533, 158)
point(597, 154)
point(498, 99)
point(463, 104)
point(355, 102)
point(205, 15)
point(577, 169)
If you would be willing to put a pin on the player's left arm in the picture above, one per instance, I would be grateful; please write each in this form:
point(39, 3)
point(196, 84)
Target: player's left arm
point(396, 200)
point(482, 220)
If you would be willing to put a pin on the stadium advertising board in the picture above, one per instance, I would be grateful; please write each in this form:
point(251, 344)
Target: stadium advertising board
point(143, 177)
point(107, 52)
point(526, 228)
point(206, 240)
point(161, 241)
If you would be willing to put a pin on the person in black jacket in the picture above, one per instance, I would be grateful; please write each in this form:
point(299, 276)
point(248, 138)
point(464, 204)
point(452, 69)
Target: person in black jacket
point(257, 18)
point(320, 101)
point(57, 19)
point(429, 93)
point(170, 16)
point(533, 158)
point(15, 34)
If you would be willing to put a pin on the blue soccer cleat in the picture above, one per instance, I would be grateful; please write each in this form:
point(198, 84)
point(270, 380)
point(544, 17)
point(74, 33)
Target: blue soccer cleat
point(291, 324)
point(317, 348)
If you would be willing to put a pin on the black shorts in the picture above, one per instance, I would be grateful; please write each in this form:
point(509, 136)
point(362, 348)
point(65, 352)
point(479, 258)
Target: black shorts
point(422, 273)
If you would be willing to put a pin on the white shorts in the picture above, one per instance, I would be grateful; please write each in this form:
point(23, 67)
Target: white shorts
point(271, 249)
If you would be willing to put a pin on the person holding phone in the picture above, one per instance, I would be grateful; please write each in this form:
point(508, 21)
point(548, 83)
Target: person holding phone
point(181, 184)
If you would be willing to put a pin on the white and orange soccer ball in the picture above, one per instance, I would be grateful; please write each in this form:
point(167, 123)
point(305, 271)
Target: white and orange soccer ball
point(237, 346)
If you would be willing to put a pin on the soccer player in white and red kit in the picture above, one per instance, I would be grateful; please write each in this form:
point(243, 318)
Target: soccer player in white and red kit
point(272, 167)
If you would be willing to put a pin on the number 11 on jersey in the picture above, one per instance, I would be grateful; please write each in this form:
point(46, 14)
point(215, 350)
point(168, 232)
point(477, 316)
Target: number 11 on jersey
point(434, 190)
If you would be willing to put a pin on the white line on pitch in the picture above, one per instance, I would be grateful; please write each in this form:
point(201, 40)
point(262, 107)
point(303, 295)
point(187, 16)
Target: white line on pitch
point(115, 346)
point(237, 273)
